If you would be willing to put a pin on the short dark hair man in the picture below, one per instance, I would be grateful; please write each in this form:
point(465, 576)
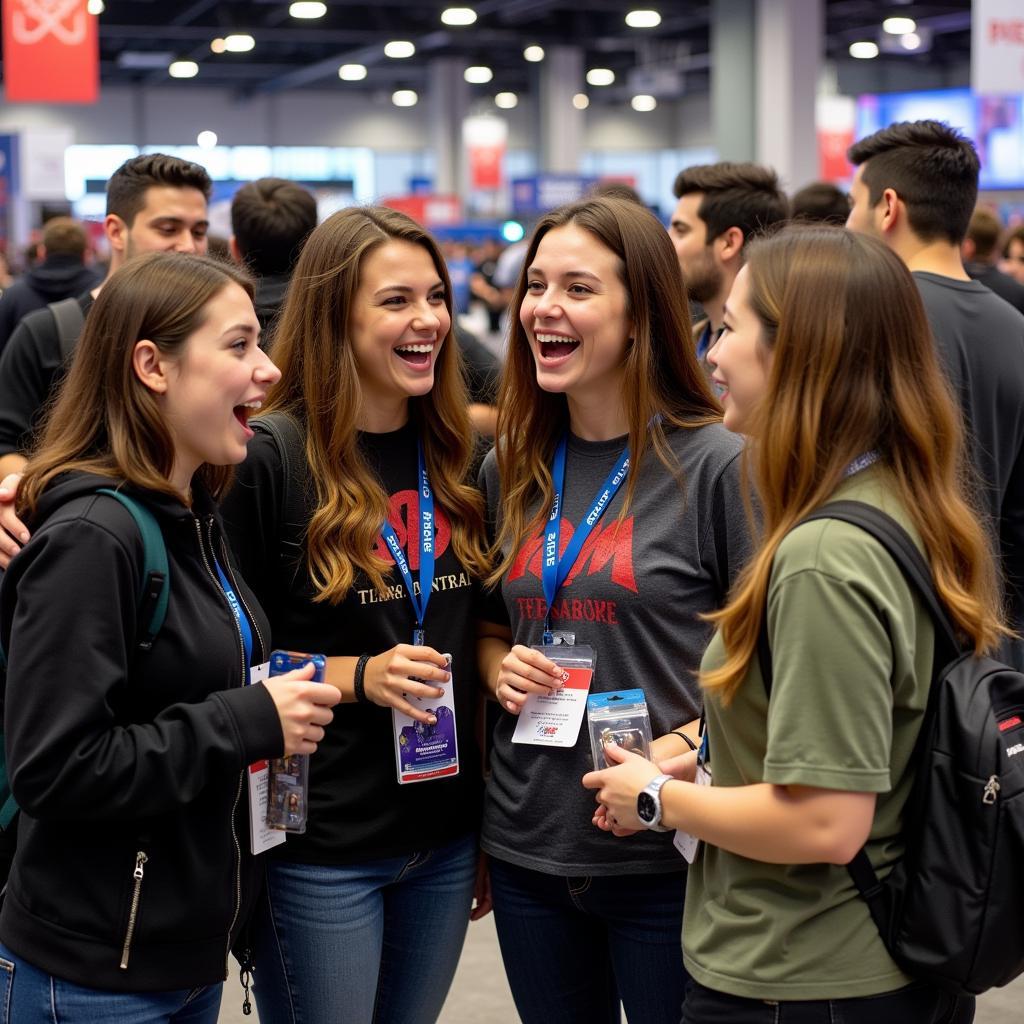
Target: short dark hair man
point(820, 203)
point(915, 188)
point(59, 274)
point(981, 252)
point(721, 207)
point(155, 203)
point(270, 221)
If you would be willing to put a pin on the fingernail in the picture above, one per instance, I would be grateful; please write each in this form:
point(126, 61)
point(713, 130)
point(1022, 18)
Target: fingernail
point(431, 720)
point(23, 537)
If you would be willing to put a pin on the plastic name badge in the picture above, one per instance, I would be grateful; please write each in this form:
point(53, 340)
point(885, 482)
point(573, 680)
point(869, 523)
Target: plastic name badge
point(553, 719)
point(423, 751)
point(620, 717)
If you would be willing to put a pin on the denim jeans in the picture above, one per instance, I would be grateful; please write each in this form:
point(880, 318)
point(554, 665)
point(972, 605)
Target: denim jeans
point(362, 942)
point(917, 1004)
point(574, 947)
point(31, 996)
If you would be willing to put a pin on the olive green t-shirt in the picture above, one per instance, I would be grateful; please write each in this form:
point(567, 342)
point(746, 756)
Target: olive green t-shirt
point(852, 656)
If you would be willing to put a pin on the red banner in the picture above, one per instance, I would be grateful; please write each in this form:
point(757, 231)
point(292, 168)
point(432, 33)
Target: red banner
point(51, 52)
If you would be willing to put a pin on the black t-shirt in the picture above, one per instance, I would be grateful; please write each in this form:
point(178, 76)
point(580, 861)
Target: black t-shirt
point(357, 809)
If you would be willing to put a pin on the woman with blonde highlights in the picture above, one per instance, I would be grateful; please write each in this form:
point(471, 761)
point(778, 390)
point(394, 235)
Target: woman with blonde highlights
point(601, 384)
point(367, 910)
point(842, 398)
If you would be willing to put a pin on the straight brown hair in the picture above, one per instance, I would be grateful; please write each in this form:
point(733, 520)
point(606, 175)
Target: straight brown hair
point(320, 388)
point(855, 373)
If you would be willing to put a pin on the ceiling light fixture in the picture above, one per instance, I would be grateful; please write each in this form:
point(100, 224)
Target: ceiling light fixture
point(506, 100)
point(206, 140)
point(899, 26)
point(478, 75)
point(910, 41)
point(399, 49)
point(581, 101)
point(352, 72)
point(307, 9)
point(600, 76)
point(458, 16)
point(183, 69)
point(864, 50)
point(241, 42)
point(217, 46)
point(643, 19)
point(404, 98)
point(96, 7)
point(534, 54)
point(643, 103)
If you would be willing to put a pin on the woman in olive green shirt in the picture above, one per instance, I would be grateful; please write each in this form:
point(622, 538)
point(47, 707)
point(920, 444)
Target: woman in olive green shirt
point(841, 398)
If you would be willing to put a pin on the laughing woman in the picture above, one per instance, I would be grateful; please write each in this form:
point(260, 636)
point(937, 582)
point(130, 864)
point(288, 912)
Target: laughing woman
point(367, 911)
point(127, 752)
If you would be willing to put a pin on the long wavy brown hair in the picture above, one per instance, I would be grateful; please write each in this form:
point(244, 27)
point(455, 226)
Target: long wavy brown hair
point(104, 419)
point(663, 385)
point(853, 369)
point(320, 388)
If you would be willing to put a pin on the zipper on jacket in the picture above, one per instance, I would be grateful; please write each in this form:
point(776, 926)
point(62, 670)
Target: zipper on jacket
point(133, 913)
point(992, 788)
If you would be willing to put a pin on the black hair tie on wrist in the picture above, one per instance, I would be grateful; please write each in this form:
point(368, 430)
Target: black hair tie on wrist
point(689, 739)
point(359, 680)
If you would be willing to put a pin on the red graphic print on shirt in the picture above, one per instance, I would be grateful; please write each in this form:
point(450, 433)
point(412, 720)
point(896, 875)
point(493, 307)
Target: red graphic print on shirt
point(404, 516)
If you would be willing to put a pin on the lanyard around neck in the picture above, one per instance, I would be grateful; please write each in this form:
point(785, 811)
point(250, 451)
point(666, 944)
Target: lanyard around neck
point(426, 551)
point(557, 565)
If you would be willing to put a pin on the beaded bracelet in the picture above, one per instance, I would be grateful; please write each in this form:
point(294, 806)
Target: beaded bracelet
point(359, 682)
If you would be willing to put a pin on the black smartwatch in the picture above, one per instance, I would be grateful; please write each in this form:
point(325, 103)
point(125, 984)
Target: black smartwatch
point(648, 804)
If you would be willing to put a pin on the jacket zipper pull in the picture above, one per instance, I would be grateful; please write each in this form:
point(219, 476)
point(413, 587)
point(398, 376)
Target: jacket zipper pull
point(245, 977)
point(133, 913)
point(992, 788)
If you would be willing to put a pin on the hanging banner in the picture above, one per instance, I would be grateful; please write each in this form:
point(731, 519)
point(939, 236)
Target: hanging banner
point(484, 137)
point(997, 46)
point(51, 52)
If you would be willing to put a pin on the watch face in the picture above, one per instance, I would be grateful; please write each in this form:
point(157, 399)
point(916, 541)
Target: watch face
point(646, 808)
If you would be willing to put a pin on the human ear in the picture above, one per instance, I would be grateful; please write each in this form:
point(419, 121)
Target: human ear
point(116, 231)
point(889, 205)
point(730, 244)
point(149, 366)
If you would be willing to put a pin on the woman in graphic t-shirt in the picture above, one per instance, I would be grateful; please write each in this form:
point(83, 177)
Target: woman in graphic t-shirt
point(600, 370)
point(367, 911)
point(841, 400)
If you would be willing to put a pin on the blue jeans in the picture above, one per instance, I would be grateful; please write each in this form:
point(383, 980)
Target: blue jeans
point(31, 996)
point(363, 942)
point(574, 947)
point(916, 1004)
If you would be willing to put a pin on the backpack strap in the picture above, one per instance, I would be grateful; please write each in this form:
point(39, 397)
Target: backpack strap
point(155, 593)
point(290, 440)
point(70, 320)
point(905, 553)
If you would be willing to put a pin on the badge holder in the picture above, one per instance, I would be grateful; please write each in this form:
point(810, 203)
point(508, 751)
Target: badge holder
point(423, 751)
point(553, 719)
point(622, 718)
point(288, 790)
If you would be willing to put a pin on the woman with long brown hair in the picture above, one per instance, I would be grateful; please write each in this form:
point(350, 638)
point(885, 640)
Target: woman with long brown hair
point(128, 738)
point(828, 365)
point(615, 499)
point(354, 518)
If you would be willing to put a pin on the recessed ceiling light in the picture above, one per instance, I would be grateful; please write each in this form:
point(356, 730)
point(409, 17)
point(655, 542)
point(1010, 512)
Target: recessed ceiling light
point(183, 69)
point(581, 101)
point(643, 19)
point(239, 43)
point(506, 100)
point(352, 72)
point(399, 49)
point(206, 140)
point(899, 26)
point(458, 16)
point(478, 75)
point(910, 41)
point(534, 54)
point(404, 98)
point(218, 46)
point(643, 103)
point(307, 9)
point(600, 76)
point(864, 50)
point(96, 7)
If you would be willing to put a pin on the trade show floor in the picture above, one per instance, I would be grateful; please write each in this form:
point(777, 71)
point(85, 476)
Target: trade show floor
point(480, 994)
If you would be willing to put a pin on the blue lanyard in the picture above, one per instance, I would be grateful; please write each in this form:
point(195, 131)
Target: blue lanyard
point(240, 617)
point(556, 568)
point(426, 537)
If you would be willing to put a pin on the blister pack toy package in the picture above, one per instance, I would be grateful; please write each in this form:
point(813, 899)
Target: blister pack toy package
point(620, 717)
point(288, 795)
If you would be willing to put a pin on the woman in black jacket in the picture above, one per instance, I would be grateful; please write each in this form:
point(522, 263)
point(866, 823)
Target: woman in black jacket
point(133, 873)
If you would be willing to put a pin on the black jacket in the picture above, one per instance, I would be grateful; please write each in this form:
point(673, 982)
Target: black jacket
point(57, 277)
point(115, 752)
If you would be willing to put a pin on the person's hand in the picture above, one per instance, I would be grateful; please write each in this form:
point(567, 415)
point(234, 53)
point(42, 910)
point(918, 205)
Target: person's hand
point(304, 708)
point(524, 671)
point(619, 786)
point(482, 902)
point(682, 767)
point(404, 670)
point(13, 532)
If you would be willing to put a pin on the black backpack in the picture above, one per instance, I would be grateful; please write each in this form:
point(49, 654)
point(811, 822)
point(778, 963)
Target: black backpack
point(951, 911)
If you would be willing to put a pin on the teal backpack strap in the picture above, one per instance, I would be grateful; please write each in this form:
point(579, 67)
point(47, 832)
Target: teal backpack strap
point(155, 573)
